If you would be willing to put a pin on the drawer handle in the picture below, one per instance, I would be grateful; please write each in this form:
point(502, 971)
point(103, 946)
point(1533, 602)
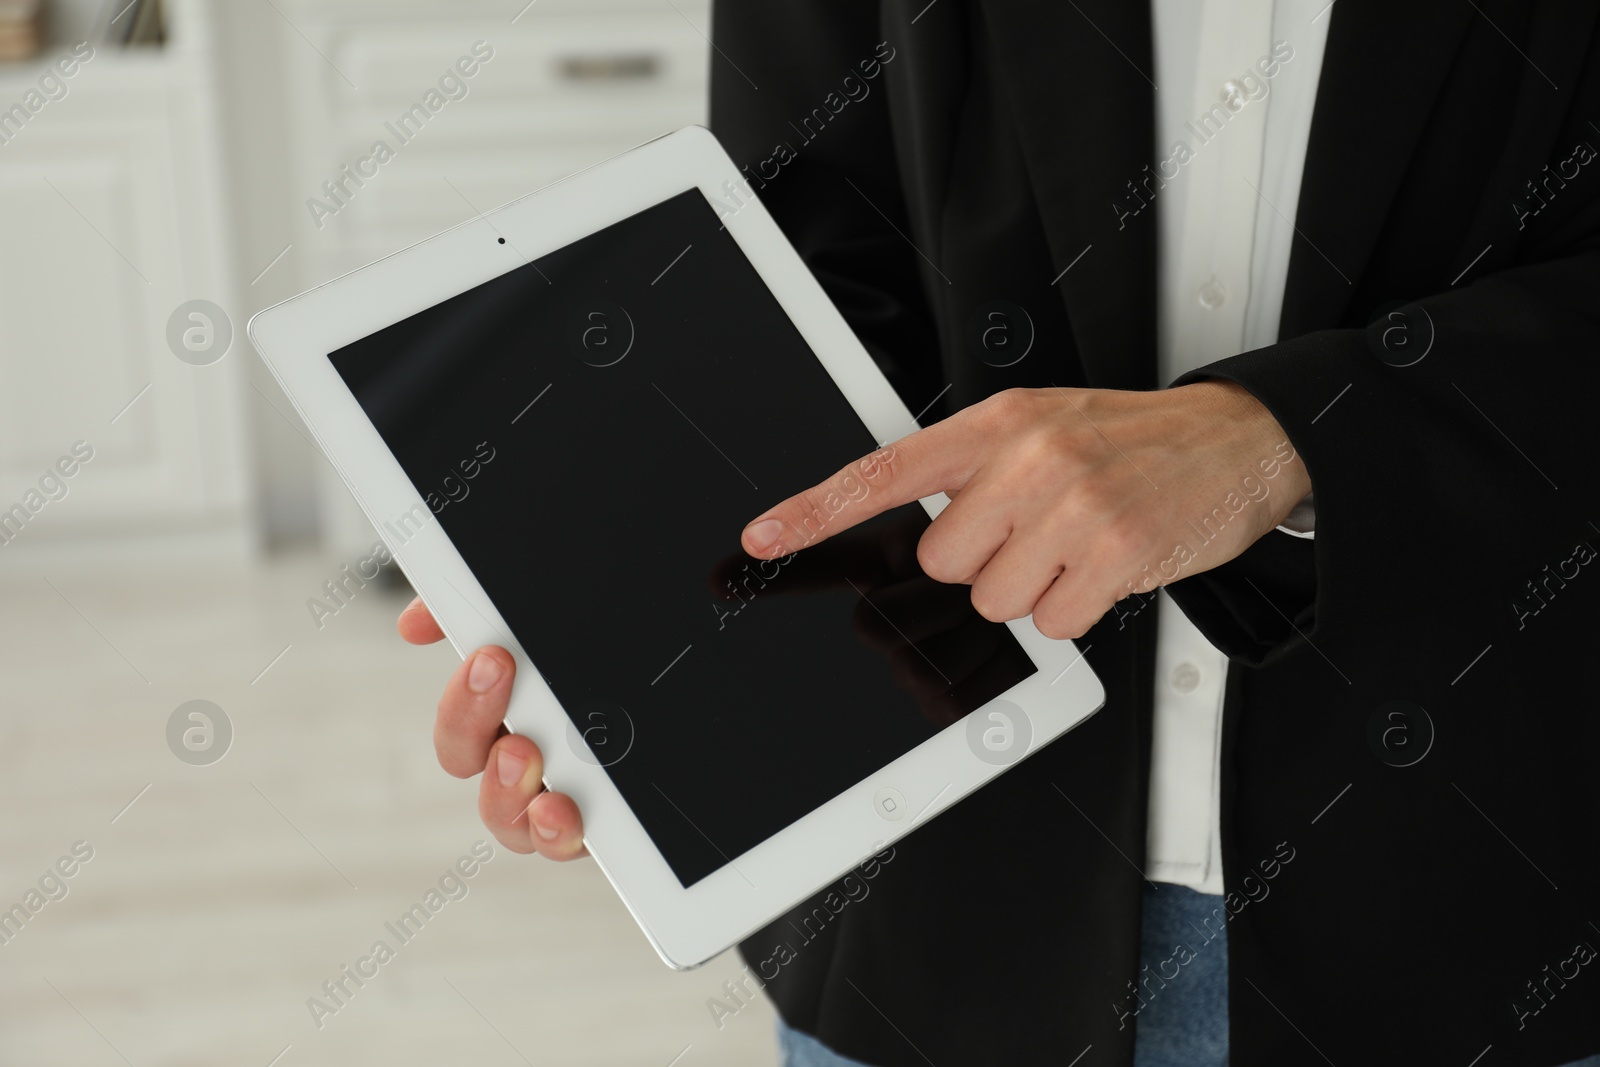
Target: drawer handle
point(615, 68)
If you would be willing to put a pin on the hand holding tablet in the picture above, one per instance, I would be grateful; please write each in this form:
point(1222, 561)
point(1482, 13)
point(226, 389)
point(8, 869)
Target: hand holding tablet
point(651, 365)
point(470, 738)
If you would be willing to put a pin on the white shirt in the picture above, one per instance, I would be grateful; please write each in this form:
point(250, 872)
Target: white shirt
point(1225, 222)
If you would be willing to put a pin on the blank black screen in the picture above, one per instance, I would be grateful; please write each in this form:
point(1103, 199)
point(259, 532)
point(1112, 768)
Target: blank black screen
point(593, 430)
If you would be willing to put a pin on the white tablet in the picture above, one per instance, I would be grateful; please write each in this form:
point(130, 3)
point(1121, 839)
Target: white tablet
point(560, 416)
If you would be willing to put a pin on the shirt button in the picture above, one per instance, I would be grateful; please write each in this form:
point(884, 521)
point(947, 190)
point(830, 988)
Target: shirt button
point(1185, 677)
point(1233, 95)
point(1211, 294)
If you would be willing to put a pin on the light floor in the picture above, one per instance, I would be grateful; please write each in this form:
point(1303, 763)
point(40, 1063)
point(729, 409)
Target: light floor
point(225, 895)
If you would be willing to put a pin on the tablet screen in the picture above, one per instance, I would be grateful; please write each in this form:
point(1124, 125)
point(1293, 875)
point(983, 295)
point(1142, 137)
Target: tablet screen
point(593, 430)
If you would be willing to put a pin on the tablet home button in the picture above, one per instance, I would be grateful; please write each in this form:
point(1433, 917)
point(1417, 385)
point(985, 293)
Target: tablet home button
point(889, 804)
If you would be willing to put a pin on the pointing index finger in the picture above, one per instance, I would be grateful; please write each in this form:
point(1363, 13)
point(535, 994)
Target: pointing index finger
point(897, 473)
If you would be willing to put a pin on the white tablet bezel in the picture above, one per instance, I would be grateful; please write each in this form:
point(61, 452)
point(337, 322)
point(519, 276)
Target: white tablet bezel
point(686, 926)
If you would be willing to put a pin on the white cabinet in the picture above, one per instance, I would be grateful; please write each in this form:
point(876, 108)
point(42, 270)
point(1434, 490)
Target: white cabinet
point(112, 220)
point(184, 172)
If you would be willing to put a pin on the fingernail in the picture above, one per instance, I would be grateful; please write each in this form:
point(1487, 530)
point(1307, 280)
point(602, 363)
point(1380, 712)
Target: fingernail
point(511, 767)
point(764, 534)
point(485, 672)
point(544, 831)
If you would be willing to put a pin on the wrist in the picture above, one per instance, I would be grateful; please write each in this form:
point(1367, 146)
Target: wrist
point(1259, 443)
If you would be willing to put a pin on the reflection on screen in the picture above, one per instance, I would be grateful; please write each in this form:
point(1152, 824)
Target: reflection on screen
point(593, 430)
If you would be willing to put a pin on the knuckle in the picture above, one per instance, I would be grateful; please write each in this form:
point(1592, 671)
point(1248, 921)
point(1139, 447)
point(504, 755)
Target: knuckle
point(1059, 625)
point(1002, 409)
point(447, 742)
point(499, 817)
point(881, 468)
point(1125, 535)
point(934, 559)
point(1042, 445)
point(448, 711)
point(991, 605)
point(808, 519)
point(1048, 624)
point(455, 766)
point(851, 483)
point(1097, 497)
point(1013, 401)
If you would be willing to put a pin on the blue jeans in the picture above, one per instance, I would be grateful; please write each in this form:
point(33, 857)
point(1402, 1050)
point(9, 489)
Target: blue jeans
point(799, 1049)
point(1181, 1021)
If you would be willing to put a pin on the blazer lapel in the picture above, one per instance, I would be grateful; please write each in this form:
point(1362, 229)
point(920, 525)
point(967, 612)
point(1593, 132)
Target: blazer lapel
point(1381, 75)
point(1079, 77)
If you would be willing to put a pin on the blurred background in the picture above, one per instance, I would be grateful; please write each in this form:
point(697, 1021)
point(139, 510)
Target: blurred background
point(191, 875)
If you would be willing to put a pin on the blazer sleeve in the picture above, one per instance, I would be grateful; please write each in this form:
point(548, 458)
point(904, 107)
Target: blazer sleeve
point(1453, 477)
point(774, 67)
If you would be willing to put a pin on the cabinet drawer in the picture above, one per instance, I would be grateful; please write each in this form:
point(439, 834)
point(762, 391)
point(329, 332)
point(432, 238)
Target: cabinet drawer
point(555, 58)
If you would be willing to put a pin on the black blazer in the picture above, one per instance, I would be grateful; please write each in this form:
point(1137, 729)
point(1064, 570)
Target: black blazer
point(1385, 908)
